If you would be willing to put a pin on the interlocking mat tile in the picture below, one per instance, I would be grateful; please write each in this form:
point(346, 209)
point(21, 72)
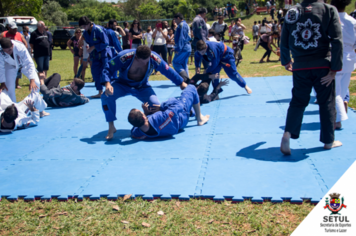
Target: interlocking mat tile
point(235, 156)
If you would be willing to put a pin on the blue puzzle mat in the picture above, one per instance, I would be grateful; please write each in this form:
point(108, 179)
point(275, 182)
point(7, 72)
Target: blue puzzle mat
point(234, 156)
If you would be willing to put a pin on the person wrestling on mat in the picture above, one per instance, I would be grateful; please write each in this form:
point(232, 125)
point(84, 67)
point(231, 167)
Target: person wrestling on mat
point(219, 56)
point(168, 118)
point(134, 66)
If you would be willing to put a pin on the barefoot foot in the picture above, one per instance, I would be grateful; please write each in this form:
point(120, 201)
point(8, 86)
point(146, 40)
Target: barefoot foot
point(43, 114)
point(248, 90)
point(203, 119)
point(111, 132)
point(96, 96)
point(346, 104)
point(285, 147)
point(334, 144)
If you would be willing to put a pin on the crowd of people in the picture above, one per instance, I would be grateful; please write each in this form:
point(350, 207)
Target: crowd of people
point(122, 60)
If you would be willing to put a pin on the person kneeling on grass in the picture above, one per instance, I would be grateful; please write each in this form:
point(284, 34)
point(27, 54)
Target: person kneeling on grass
point(20, 115)
point(168, 118)
point(55, 96)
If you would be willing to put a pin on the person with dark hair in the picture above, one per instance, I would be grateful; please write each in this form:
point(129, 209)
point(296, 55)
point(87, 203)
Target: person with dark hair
point(135, 67)
point(14, 56)
point(99, 50)
point(174, 26)
point(55, 96)
point(342, 78)
point(75, 51)
point(200, 31)
point(266, 41)
point(126, 37)
point(160, 34)
point(219, 56)
point(203, 87)
point(211, 36)
point(110, 31)
point(220, 27)
point(308, 32)
point(168, 118)
point(182, 47)
point(135, 34)
point(20, 115)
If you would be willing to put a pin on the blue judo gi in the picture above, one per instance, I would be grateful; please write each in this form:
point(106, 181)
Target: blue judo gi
point(220, 56)
point(101, 54)
point(183, 49)
point(173, 115)
point(124, 86)
point(113, 42)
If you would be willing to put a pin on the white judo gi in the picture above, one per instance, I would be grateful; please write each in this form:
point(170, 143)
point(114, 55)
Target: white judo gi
point(25, 118)
point(9, 67)
point(342, 78)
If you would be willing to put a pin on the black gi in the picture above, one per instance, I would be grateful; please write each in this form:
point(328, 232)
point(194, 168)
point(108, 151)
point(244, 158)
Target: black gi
point(308, 32)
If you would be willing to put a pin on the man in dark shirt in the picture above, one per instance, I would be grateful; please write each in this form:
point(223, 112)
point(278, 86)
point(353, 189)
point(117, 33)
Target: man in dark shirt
point(41, 49)
point(200, 31)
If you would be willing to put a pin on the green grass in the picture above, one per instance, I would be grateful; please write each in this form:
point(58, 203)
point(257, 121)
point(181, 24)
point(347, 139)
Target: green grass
point(195, 217)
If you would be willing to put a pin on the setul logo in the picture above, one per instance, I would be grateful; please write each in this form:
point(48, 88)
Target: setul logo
point(335, 206)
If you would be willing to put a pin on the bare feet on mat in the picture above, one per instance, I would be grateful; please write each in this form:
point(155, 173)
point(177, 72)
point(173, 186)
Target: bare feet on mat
point(248, 90)
point(334, 144)
point(98, 95)
point(346, 104)
point(111, 131)
point(203, 119)
point(43, 114)
point(285, 147)
point(338, 125)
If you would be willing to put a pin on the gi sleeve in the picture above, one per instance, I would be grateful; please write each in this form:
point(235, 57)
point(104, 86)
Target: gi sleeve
point(115, 41)
point(2, 68)
point(197, 59)
point(110, 68)
point(169, 72)
point(284, 46)
point(28, 67)
point(25, 122)
point(100, 34)
point(335, 34)
point(179, 37)
point(136, 133)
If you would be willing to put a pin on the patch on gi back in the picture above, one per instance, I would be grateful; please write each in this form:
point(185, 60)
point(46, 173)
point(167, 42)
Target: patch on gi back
point(292, 16)
point(307, 34)
point(167, 121)
point(156, 58)
point(127, 56)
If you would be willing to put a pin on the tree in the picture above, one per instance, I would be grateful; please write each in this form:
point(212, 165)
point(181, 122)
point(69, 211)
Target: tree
point(187, 8)
point(52, 12)
point(20, 7)
point(149, 10)
point(169, 8)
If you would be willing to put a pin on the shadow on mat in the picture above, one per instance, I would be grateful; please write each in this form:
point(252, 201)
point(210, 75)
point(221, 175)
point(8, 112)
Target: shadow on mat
point(311, 112)
point(287, 100)
point(121, 137)
point(274, 154)
point(258, 62)
point(233, 96)
point(314, 126)
point(164, 86)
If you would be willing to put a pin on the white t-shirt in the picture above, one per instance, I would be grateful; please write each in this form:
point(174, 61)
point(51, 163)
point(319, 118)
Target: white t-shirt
point(170, 45)
point(212, 39)
point(269, 29)
point(148, 37)
point(85, 50)
point(208, 26)
point(160, 40)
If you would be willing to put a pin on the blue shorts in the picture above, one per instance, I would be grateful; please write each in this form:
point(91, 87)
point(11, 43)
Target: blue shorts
point(42, 63)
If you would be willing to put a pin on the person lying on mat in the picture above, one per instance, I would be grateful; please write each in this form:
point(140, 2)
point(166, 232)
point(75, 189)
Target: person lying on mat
point(203, 87)
point(55, 96)
point(20, 115)
point(168, 118)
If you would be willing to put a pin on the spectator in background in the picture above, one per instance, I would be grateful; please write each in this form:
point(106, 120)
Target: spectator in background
point(272, 12)
point(255, 32)
point(174, 26)
point(160, 36)
point(220, 27)
point(247, 8)
point(170, 45)
point(111, 33)
point(41, 49)
point(228, 7)
point(27, 37)
point(148, 36)
point(211, 36)
point(215, 12)
point(200, 31)
point(268, 5)
point(206, 23)
point(279, 13)
point(83, 52)
point(266, 42)
point(232, 24)
point(136, 33)
point(50, 39)
point(14, 35)
point(126, 37)
point(75, 51)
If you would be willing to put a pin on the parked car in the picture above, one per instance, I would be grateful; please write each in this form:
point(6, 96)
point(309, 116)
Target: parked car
point(61, 37)
point(20, 21)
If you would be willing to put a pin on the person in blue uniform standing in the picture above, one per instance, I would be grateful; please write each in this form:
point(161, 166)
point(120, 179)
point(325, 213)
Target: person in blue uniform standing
point(134, 66)
point(182, 47)
point(219, 56)
point(168, 118)
point(99, 49)
point(113, 40)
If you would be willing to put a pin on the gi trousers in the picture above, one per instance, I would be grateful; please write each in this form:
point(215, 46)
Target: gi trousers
point(303, 82)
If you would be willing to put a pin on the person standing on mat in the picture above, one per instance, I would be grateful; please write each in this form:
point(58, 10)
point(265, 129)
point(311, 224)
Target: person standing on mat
point(134, 66)
point(99, 50)
point(168, 118)
point(308, 31)
point(182, 47)
point(55, 96)
point(219, 56)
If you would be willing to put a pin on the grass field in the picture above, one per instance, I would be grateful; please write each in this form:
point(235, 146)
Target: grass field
point(195, 217)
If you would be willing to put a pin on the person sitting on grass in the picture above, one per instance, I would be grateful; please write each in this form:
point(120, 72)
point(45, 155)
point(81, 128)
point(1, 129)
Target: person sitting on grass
point(55, 96)
point(20, 115)
point(168, 118)
point(266, 41)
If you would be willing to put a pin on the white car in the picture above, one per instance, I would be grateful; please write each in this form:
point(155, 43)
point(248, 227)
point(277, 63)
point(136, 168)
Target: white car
point(20, 21)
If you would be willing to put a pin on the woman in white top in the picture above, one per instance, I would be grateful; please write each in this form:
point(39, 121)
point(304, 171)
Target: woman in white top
point(342, 78)
point(160, 36)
